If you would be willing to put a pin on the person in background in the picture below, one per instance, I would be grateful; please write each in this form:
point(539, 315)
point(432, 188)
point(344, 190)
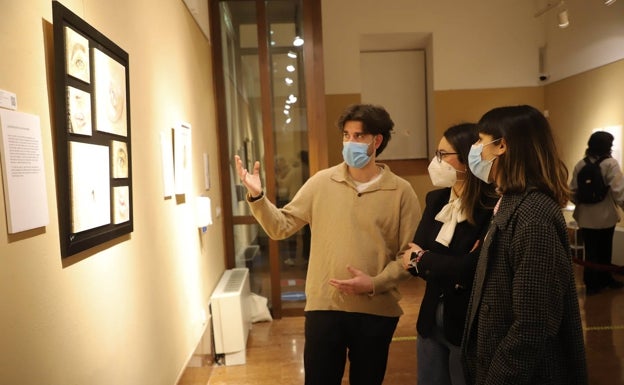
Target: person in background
point(444, 254)
point(362, 217)
point(523, 324)
point(597, 221)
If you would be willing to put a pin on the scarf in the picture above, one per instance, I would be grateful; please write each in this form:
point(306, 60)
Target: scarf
point(450, 215)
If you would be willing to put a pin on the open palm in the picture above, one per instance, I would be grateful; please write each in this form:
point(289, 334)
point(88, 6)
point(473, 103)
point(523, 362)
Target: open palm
point(251, 180)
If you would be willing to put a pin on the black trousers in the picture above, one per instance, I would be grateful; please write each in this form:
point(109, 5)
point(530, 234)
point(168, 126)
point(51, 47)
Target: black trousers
point(598, 249)
point(332, 336)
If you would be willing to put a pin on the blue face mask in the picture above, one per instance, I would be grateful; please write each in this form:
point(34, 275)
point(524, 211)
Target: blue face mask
point(480, 167)
point(356, 154)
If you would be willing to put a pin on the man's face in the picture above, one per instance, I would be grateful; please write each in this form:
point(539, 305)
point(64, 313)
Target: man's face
point(354, 132)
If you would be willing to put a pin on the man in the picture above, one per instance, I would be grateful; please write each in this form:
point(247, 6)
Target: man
point(362, 216)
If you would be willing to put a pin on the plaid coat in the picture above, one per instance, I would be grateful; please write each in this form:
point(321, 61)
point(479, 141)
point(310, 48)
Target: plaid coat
point(523, 324)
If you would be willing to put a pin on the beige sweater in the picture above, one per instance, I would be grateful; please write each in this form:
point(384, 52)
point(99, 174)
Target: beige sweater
point(367, 230)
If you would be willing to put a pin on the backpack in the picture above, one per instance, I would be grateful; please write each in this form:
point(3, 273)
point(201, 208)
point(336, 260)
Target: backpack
point(591, 186)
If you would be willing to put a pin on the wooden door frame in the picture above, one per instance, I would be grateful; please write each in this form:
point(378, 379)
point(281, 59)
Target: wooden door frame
point(316, 120)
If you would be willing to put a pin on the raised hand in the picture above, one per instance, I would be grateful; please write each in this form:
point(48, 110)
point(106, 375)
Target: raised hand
point(250, 180)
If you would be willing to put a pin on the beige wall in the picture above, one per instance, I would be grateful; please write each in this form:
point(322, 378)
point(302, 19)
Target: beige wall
point(467, 76)
point(581, 103)
point(130, 311)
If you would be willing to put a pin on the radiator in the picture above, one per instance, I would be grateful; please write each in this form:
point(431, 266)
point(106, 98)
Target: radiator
point(231, 318)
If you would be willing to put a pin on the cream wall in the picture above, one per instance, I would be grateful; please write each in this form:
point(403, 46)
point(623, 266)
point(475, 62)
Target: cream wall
point(579, 104)
point(472, 48)
point(595, 37)
point(130, 311)
point(486, 54)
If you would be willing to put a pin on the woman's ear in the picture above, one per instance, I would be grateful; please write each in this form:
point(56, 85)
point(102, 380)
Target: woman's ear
point(502, 147)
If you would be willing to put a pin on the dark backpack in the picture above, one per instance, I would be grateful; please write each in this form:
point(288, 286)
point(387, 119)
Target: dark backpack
point(591, 186)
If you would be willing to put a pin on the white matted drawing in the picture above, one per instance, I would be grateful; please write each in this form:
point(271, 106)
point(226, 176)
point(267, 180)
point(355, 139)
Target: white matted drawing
point(182, 157)
point(119, 155)
point(110, 94)
point(77, 55)
point(79, 111)
point(121, 204)
point(89, 186)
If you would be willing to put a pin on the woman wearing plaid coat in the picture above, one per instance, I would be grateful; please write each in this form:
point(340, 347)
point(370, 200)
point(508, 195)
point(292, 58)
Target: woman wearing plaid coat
point(523, 324)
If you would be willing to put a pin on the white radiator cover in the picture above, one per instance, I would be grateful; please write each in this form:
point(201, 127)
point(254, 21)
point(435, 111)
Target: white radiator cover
point(231, 316)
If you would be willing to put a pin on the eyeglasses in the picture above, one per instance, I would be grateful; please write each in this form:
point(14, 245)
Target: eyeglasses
point(441, 154)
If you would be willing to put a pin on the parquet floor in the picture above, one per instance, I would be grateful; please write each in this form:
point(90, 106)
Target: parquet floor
point(275, 349)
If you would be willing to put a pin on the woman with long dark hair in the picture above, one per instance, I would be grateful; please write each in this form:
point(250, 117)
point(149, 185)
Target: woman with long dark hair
point(523, 324)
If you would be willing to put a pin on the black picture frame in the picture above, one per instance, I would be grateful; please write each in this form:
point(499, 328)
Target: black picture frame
point(92, 134)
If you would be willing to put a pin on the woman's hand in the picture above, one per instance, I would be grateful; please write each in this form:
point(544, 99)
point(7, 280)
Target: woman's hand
point(407, 255)
point(251, 181)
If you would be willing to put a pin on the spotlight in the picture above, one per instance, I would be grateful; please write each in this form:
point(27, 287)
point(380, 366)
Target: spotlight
point(609, 2)
point(563, 19)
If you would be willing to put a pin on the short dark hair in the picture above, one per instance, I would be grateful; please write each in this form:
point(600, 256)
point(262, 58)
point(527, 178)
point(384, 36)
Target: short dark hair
point(375, 120)
point(531, 160)
point(599, 144)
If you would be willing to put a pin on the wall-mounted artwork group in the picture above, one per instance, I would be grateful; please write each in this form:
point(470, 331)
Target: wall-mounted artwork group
point(92, 124)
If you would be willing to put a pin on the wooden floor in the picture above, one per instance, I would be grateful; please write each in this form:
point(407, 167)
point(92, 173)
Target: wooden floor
point(275, 349)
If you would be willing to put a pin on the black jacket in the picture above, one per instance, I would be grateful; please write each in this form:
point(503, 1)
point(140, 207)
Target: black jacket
point(449, 271)
point(524, 323)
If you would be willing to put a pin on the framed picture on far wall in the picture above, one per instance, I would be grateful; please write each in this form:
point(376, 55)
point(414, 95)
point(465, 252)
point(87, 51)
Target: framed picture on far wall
point(93, 135)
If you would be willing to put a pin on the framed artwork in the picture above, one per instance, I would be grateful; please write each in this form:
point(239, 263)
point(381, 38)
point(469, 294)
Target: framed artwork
point(92, 131)
point(182, 157)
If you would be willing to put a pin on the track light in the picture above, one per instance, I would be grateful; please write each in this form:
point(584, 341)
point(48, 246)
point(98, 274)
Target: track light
point(563, 19)
point(609, 2)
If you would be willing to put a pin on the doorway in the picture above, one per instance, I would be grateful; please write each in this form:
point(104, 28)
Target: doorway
point(263, 59)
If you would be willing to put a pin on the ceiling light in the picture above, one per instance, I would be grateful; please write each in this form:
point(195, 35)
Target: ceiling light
point(298, 41)
point(292, 55)
point(563, 19)
point(290, 68)
point(288, 81)
point(609, 2)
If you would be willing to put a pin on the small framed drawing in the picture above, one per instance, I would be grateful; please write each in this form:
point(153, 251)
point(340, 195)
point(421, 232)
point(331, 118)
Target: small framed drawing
point(92, 128)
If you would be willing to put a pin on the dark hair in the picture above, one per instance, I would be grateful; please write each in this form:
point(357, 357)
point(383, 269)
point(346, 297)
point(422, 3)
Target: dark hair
point(375, 120)
point(531, 160)
point(461, 137)
point(599, 144)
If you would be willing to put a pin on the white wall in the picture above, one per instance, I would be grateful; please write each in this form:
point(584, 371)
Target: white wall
point(476, 44)
point(472, 48)
point(595, 37)
point(130, 311)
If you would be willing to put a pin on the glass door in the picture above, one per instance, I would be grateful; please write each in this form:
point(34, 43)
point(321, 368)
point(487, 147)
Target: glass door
point(263, 104)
